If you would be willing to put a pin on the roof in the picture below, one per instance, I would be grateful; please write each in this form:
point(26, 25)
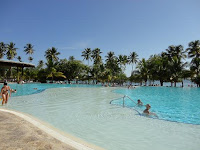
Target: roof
point(11, 63)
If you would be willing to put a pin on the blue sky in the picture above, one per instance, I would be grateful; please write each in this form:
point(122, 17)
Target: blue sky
point(144, 26)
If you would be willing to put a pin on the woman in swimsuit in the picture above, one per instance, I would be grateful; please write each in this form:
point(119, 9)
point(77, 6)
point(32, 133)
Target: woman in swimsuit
point(4, 93)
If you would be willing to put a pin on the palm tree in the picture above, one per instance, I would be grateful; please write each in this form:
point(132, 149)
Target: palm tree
point(87, 54)
point(175, 55)
point(194, 53)
point(40, 64)
point(30, 59)
point(175, 51)
point(110, 60)
point(2, 49)
point(71, 58)
point(96, 56)
point(143, 70)
point(29, 51)
point(19, 58)
point(52, 54)
point(133, 58)
point(122, 60)
point(11, 51)
point(53, 73)
point(110, 57)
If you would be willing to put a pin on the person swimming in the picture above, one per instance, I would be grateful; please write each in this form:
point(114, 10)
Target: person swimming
point(139, 102)
point(4, 93)
point(147, 112)
point(14, 91)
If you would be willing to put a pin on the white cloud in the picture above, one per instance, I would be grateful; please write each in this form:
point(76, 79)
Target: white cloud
point(78, 45)
point(67, 48)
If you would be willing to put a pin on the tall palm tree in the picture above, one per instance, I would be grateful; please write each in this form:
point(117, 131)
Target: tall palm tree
point(194, 53)
point(96, 56)
point(175, 56)
point(176, 51)
point(133, 58)
point(40, 64)
point(143, 70)
point(11, 51)
point(19, 58)
point(71, 58)
point(112, 63)
point(110, 60)
point(29, 51)
point(87, 54)
point(2, 49)
point(51, 54)
point(110, 56)
point(122, 60)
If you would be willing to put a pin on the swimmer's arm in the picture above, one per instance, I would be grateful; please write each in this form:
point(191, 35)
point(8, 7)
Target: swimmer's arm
point(154, 114)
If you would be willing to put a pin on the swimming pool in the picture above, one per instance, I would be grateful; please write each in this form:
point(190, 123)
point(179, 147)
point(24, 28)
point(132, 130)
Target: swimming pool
point(86, 113)
point(171, 104)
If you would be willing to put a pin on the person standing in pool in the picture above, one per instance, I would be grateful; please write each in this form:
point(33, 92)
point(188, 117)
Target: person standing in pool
point(147, 112)
point(5, 93)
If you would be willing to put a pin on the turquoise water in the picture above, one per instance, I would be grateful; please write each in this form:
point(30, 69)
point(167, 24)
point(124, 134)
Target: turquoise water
point(86, 113)
point(172, 104)
point(27, 89)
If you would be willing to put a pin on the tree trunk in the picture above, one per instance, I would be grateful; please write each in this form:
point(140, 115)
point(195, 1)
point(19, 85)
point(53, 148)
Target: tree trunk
point(69, 81)
point(175, 84)
point(182, 83)
point(161, 82)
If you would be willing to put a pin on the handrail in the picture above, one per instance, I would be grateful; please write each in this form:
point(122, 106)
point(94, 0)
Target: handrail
point(129, 99)
point(124, 103)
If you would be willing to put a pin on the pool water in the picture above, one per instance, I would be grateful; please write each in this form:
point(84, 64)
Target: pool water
point(86, 113)
point(172, 104)
point(34, 88)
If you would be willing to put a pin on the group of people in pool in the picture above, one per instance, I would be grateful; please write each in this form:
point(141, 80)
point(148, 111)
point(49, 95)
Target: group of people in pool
point(146, 111)
point(5, 92)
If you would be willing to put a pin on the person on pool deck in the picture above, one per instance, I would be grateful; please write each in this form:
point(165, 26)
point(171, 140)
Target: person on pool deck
point(4, 93)
point(139, 102)
point(146, 111)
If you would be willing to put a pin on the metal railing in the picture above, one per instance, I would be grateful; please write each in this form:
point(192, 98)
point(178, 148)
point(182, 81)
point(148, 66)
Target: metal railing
point(128, 98)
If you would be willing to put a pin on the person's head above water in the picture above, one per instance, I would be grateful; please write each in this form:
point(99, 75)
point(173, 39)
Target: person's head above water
point(148, 106)
point(5, 83)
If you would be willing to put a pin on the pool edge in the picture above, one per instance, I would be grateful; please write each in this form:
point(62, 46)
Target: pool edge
point(63, 137)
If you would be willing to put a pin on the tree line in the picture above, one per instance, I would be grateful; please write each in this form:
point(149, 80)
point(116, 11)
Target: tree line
point(168, 66)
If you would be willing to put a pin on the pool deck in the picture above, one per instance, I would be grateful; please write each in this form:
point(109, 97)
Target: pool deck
point(16, 133)
point(19, 131)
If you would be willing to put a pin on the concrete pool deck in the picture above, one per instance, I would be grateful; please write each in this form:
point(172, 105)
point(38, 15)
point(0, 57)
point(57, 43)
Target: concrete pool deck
point(19, 131)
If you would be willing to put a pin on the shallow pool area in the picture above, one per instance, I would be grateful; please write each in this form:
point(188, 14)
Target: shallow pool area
point(86, 113)
point(34, 88)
